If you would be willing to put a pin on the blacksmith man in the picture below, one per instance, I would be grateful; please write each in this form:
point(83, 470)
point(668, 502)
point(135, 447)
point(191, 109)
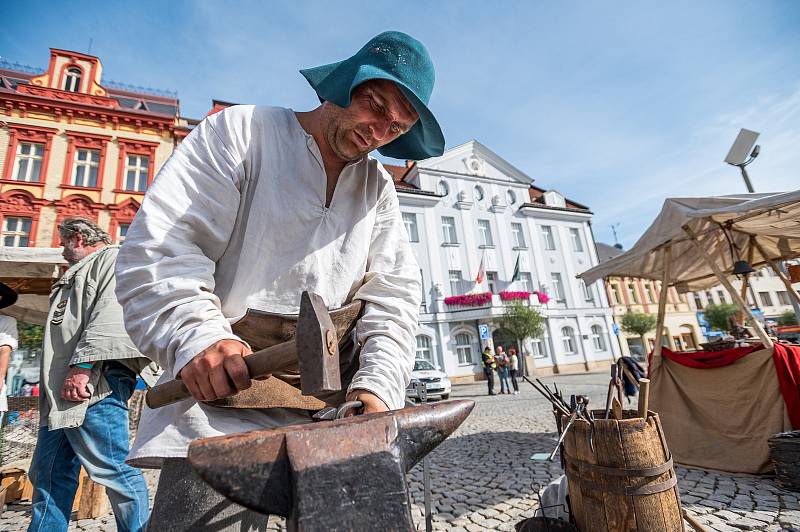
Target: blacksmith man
point(255, 206)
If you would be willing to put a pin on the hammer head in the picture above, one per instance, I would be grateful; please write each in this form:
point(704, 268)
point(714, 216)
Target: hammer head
point(317, 347)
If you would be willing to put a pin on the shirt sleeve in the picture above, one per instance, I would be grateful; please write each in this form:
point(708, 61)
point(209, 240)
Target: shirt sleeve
point(392, 292)
point(103, 336)
point(8, 332)
point(165, 270)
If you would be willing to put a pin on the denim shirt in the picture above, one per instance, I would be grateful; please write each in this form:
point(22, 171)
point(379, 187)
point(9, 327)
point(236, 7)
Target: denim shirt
point(84, 324)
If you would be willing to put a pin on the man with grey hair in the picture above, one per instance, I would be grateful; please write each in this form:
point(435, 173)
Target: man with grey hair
point(88, 373)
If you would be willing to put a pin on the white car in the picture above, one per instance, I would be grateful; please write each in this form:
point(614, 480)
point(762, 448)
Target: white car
point(437, 382)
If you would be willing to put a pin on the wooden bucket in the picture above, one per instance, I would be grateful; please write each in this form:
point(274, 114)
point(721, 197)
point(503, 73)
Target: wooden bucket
point(628, 483)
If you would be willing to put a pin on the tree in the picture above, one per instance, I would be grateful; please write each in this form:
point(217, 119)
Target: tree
point(787, 318)
point(31, 335)
point(719, 316)
point(523, 322)
point(638, 323)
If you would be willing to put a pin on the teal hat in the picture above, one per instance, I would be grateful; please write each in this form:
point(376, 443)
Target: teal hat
point(400, 58)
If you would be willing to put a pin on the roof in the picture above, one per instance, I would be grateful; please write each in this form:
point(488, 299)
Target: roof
point(606, 252)
point(537, 197)
point(398, 172)
point(755, 227)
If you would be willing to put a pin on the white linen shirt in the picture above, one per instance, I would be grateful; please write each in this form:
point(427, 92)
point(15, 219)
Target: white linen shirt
point(8, 336)
point(236, 219)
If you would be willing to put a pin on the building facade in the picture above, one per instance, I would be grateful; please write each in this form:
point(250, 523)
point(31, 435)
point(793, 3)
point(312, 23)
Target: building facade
point(682, 332)
point(471, 207)
point(72, 145)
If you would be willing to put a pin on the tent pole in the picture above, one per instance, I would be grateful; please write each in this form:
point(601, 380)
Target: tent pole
point(772, 264)
point(762, 335)
point(746, 282)
point(662, 302)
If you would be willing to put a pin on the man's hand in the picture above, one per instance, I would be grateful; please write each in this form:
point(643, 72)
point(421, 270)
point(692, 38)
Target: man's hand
point(218, 371)
point(372, 403)
point(74, 388)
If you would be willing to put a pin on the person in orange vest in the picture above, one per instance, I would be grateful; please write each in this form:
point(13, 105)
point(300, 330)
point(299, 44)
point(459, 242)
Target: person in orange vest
point(489, 365)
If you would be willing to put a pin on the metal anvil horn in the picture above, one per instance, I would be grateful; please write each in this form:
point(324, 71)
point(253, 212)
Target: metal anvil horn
point(348, 474)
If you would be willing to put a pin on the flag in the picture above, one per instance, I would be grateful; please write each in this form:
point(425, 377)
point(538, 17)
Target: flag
point(481, 271)
point(516, 275)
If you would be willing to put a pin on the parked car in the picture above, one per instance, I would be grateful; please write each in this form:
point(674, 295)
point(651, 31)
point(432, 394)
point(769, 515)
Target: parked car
point(437, 382)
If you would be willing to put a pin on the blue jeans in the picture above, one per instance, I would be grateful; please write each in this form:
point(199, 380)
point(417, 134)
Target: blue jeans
point(503, 374)
point(100, 445)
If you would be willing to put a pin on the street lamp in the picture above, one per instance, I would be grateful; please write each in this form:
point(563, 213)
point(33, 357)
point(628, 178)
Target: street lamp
point(744, 145)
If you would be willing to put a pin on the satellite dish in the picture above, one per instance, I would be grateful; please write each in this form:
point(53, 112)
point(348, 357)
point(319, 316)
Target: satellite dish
point(742, 147)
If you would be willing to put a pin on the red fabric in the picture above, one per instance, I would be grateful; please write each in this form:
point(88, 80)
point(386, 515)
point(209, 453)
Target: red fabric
point(787, 366)
point(709, 359)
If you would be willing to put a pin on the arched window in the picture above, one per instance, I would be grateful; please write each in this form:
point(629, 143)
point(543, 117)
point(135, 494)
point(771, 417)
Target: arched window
point(464, 348)
point(568, 339)
point(72, 79)
point(478, 193)
point(598, 338)
point(424, 348)
point(512, 198)
point(444, 190)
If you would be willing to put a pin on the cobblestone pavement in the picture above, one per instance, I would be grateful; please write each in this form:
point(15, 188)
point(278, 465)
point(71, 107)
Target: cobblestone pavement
point(482, 477)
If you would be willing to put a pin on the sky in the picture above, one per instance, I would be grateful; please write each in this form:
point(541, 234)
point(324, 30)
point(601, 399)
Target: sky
point(616, 104)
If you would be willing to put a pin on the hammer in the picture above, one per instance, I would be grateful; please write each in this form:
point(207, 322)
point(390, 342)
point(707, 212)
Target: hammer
point(315, 347)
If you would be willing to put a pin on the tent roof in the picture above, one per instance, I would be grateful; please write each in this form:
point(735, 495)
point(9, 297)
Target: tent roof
point(773, 220)
point(30, 271)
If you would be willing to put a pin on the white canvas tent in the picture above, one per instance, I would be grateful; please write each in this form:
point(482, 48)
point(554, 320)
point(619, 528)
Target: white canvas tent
point(30, 271)
point(720, 417)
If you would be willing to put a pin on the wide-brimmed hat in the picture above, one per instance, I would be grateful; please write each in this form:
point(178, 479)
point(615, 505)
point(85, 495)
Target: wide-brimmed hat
point(7, 296)
point(400, 58)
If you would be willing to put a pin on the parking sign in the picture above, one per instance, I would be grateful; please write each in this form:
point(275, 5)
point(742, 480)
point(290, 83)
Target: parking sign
point(484, 330)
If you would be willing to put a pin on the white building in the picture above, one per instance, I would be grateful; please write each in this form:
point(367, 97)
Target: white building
point(470, 204)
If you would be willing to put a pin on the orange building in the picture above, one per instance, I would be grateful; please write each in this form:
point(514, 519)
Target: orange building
point(71, 144)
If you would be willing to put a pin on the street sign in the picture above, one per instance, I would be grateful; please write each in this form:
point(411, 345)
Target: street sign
point(484, 330)
point(615, 328)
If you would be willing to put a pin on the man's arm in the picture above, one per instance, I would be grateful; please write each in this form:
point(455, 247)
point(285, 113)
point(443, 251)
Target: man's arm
point(392, 291)
point(165, 269)
point(5, 357)
point(8, 343)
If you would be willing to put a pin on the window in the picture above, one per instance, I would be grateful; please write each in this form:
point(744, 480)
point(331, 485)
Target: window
point(491, 280)
point(424, 348)
point(410, 221)
point(519, 237)
point(28, 163)
point(538, 348)
point(449, 230)
point(444, 190)
point(84, 169)
point(526, 282)
point(721, 296)
point(568, 340)
point(547, 238)
point(783, 298)
point(485, 233)
point(648, 292)
point(72, 80)
point(464, 348)
point(122, 232)
point(710, 297)
point(512, 198)
point(765, 298)
point(575, 238)
point(598, 338)
point(478, 193)
point(587, 293)
point(558, 287)
point(616, 296)
point(698, 302)
point(137, 172)
point(634, 297)
point(16, 232)
point(455, 282)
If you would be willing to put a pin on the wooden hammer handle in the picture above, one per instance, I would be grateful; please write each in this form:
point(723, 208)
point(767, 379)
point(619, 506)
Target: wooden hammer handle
point(259, 364)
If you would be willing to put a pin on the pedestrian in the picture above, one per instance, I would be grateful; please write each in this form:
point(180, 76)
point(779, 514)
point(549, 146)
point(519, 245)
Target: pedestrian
point(489, 365)
point(8, 343)
point(502, 369)
point(513, 368)
point(87, 373)
point(255, 206)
